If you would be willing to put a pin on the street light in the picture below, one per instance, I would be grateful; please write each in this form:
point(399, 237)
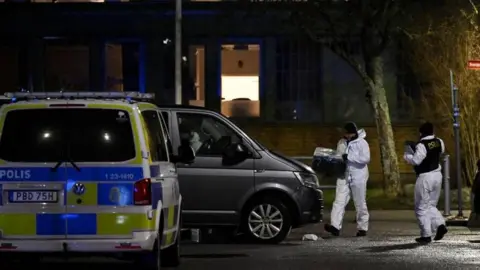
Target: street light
point(456, 130)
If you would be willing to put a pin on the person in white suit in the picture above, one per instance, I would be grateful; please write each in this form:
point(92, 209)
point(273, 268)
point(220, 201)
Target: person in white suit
point(188, 134)
point(356, 155)
point(426, 161)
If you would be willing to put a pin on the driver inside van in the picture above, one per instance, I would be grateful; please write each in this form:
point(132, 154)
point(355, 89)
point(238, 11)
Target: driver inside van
point(187, 133)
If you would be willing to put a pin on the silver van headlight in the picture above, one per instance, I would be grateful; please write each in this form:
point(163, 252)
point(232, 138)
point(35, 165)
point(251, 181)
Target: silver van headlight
point(307, 179)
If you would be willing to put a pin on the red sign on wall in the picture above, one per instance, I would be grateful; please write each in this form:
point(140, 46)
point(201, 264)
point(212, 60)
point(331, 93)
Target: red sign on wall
point(474, 64)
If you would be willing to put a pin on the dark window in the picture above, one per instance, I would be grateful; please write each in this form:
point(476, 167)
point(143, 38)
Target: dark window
point(156, 138)
point(82, 135)
point(207, 135)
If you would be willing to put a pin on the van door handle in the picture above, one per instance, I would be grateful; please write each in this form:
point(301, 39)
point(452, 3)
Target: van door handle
point(259, 171)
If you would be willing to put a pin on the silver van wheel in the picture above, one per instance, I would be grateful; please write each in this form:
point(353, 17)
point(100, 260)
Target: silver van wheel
point(265, 221)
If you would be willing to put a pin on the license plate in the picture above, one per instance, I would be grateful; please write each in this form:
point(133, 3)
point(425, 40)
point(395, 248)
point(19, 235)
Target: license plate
point(33, 196)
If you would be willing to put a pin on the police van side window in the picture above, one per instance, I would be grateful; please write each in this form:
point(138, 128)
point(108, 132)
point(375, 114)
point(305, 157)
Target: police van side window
point(156, 138)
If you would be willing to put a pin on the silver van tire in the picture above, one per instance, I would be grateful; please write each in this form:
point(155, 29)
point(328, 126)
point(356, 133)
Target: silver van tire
point(267, 221)
point(171, 255)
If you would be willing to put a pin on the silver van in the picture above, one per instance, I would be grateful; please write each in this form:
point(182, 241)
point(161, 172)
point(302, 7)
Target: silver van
point(236, 182)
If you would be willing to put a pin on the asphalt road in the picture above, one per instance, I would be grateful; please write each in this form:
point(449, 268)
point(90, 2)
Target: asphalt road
point(390, 245)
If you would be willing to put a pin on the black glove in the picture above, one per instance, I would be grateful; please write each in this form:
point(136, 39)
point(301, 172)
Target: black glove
point(412, 145)
point(344, 157)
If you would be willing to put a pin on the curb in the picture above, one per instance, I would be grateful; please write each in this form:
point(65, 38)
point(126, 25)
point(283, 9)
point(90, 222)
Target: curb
point(456, 221)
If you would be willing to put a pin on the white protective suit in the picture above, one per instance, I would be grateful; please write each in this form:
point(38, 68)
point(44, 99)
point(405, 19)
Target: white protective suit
point(427, 191)
point(354, 183)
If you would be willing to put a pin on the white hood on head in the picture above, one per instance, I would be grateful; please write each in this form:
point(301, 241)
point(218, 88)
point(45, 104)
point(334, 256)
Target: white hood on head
point(362, 133)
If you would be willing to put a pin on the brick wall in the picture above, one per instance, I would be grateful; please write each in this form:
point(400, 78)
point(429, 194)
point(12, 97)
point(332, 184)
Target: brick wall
point(301, 140)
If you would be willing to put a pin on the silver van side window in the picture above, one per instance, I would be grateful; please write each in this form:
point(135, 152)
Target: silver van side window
point(207, 135)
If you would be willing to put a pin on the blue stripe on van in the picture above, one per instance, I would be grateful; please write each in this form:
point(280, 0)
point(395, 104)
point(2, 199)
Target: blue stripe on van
point(62, 224)
point(81, 224)
point(86, 174)
point(50, 224)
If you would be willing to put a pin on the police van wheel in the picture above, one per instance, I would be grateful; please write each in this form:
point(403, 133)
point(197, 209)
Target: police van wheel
point(267, 221)
point(153, 260)
point(171, 255)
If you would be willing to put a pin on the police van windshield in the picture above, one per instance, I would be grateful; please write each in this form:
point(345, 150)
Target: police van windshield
point(79, 135)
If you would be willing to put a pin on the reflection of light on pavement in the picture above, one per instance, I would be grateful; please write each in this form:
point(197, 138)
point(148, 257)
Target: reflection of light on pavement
point(121, 219)
point(464, 254)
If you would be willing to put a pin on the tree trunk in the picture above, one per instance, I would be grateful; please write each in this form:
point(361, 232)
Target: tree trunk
point(379, 103)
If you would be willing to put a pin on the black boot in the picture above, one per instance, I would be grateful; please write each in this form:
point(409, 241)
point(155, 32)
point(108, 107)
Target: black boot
point(423, 240)
point(332, 230)
point(361, 233)
point(441, 231)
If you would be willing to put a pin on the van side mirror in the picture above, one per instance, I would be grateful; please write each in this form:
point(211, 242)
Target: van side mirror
point(235, 153)
point(186, 154)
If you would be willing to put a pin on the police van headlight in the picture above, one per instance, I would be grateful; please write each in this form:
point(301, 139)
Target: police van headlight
point(307, 179)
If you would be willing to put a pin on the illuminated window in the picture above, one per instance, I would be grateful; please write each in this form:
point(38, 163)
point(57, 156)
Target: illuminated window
point(240, 80)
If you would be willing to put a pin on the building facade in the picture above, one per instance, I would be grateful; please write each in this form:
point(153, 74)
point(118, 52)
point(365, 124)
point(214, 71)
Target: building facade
point(239, 58)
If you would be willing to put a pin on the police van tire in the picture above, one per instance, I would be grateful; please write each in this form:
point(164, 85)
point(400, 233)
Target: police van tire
point(171, 255)
point(278, 218)
point(152, 260)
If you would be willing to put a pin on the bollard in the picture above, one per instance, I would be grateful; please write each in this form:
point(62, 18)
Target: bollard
point(446, 185)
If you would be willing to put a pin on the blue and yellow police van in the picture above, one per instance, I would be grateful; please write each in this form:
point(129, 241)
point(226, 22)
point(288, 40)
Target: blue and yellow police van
point(88, 173)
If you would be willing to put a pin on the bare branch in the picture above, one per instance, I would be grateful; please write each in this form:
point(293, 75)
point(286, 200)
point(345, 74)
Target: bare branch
point(355, 19)
point(383, 18)
point(336, 41)
point(449, 40)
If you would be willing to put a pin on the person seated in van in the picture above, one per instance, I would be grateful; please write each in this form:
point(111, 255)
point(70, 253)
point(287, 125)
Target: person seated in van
point(187, 133)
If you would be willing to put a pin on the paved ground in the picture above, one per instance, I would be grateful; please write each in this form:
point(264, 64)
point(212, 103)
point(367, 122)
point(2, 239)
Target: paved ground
point(389, 246)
